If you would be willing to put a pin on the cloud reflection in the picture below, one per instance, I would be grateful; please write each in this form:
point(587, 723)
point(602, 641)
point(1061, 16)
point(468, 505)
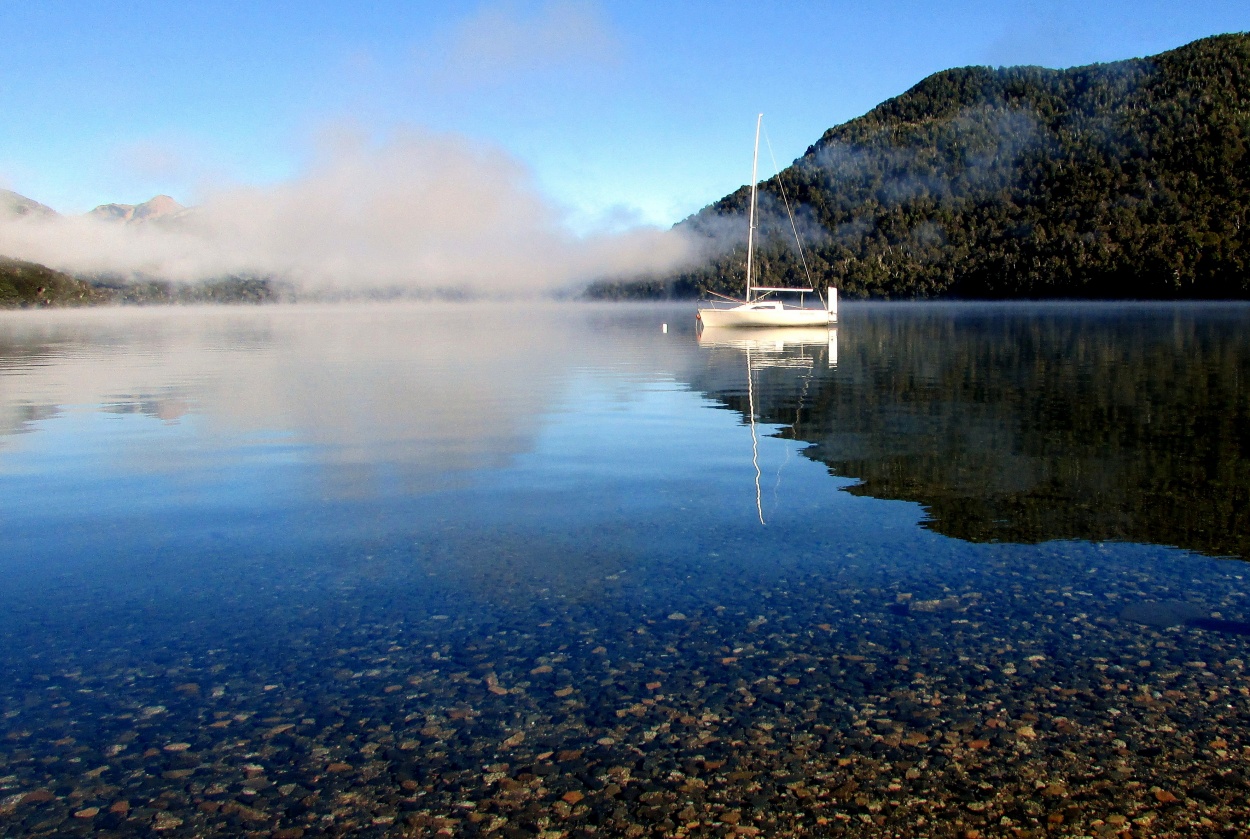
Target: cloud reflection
point(415, 394)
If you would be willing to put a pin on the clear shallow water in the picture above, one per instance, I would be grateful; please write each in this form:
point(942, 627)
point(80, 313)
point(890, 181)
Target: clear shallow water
point(397, 570)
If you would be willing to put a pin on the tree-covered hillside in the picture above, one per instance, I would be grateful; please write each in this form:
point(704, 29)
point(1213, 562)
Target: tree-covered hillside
point(1124, 180)
point(25, 284)
point(30, 285)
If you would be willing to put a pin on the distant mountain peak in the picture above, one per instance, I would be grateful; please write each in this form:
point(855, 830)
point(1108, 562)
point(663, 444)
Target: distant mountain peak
point(154, 209)
point(13, 205)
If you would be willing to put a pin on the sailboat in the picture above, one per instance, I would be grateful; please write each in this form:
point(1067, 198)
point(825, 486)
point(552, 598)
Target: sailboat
point(759, 308)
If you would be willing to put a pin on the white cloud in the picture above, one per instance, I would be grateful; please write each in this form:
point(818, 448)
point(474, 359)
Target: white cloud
point(418, 210)
point(502, 41)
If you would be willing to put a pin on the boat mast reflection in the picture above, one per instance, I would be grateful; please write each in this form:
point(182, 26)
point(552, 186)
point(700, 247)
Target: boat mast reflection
point(791, 348)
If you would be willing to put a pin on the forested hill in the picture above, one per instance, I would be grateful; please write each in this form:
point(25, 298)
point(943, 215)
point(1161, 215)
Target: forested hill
point(25, 285)
point(1124, 180)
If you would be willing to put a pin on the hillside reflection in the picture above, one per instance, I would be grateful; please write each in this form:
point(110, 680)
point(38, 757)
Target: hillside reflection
point(1027, 424)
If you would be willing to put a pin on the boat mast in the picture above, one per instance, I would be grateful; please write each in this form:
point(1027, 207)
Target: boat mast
point(755, 159)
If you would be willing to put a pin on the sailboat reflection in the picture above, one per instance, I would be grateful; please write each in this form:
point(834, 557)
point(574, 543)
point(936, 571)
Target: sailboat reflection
point(782, 347)
point(789, 348)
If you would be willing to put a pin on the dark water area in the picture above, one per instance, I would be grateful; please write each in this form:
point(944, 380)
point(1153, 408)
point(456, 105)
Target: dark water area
point(1129, 423)
point(950, 570)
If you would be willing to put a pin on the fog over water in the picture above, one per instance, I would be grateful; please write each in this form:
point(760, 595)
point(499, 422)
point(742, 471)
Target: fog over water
point(416, 211)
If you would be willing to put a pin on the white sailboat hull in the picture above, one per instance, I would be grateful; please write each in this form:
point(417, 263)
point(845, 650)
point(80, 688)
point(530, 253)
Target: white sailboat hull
point(767, 339)
point(755, 315)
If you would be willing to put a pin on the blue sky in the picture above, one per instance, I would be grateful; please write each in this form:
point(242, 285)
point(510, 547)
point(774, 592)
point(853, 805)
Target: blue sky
point(623, 111)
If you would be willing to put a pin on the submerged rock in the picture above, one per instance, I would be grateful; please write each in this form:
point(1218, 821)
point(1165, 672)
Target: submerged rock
point(1163, 613)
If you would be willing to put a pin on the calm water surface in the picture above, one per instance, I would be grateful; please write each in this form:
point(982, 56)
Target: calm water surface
point(422, 570)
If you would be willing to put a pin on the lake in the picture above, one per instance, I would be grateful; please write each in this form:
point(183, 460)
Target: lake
point(561, 570)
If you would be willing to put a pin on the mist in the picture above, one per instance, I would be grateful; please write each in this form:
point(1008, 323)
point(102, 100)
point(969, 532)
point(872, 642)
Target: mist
point(419, 211)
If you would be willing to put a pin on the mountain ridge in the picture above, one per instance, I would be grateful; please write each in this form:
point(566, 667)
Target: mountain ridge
point(157, 208)
point(1118, 180)
point(14, 205)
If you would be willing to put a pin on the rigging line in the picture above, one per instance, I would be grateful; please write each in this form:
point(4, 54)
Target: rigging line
point(755, 442)
point(777, 485)
point(786, 201)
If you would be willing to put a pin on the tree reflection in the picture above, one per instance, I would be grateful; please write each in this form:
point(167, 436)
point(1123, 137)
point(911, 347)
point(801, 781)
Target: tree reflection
point(1025, 424)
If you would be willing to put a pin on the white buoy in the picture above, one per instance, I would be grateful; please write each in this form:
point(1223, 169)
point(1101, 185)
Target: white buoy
point(664, 328)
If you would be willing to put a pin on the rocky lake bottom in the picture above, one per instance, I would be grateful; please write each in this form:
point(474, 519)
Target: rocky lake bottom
point(605, 629)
